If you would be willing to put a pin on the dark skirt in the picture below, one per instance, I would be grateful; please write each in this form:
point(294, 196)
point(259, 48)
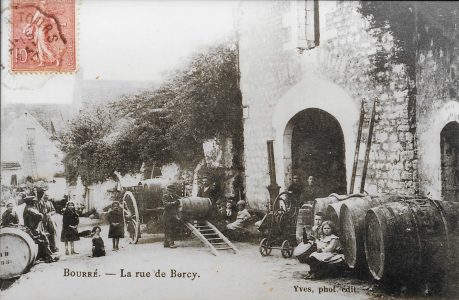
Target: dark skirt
point(116, 231)
point(99, 248)
point(69, 234)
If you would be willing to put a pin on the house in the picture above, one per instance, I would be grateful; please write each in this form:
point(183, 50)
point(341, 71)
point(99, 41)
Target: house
point(308, 67)
point(28, 150)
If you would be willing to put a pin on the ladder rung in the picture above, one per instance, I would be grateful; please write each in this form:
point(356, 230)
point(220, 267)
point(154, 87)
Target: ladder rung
point(208, 234)
point(223, 248)
point(219, 243)
point(214, 239)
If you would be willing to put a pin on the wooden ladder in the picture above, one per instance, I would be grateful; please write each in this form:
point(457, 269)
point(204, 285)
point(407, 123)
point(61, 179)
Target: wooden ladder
point(367, 150)
point(211, 237)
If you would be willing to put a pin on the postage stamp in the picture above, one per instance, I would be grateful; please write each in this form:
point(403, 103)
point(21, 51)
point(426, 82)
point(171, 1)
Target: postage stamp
point(43, 36)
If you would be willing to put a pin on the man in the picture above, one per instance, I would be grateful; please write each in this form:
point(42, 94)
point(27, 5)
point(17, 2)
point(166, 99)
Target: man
point(208, 190)
point(10, 217)
point(242, 217)
point(46, 208)
point(295, 190)
point(309, 192)
point(32, 219)
point(170, 202)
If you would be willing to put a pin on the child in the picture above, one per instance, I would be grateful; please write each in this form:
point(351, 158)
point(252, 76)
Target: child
point(98, 247)
point(317, 227)
point(229, 214)
point(327, 257)
point(70, 221)
point(116, 229)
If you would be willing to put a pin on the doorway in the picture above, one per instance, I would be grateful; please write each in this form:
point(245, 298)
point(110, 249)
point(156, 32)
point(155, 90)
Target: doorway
point(449, 145)
point(317, 145)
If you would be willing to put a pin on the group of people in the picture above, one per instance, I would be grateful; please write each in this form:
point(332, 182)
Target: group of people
point(321, 250)
point(302, 193)
point(41, 226)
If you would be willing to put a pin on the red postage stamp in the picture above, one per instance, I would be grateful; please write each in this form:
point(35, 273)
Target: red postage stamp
point(43, 35)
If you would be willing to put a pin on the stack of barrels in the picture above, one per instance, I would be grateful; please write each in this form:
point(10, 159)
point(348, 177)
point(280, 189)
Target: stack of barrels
point(396, 237)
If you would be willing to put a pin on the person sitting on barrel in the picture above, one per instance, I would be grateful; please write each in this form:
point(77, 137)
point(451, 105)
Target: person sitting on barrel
point(327, 259)
point(32, 218)
point(10, 217)
point(242, 217)
point(170, 202)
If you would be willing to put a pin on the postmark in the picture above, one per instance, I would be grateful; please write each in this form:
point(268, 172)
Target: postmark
point(43, 36)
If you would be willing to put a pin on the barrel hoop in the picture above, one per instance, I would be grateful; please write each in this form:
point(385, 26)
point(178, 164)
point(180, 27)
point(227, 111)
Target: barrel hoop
point(416, 226)
point(445, 227)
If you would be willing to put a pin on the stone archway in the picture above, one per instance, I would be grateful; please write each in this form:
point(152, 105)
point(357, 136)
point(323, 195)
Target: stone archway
point(318, 149)
point(449, 147)
point(323, 95)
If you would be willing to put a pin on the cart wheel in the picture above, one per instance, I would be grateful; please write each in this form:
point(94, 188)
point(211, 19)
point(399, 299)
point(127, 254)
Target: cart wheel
point(265, 249)
point(131, 217)
point(286, 250)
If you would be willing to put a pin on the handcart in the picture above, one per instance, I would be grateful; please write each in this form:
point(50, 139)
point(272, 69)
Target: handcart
point(279, 227)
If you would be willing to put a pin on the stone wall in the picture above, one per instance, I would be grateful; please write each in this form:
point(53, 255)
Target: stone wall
point(437, 79)
point(278, 81)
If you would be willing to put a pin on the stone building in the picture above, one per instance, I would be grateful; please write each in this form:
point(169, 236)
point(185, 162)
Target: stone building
point(306, 68)
point(28, 150)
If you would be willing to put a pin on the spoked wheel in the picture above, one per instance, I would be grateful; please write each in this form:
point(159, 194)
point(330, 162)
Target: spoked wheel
point(265, 248)
point(131, 218)
point(286, 250)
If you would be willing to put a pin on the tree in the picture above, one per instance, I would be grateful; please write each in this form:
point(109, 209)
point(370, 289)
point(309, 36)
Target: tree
point(165, 125)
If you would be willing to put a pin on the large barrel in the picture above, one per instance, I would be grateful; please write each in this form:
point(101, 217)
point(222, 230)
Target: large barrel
point(192, 208)
point(351, 220)
point(412, 237)
point(304, 220)
point(320, 204)
point(17, 252)
point(332, 214)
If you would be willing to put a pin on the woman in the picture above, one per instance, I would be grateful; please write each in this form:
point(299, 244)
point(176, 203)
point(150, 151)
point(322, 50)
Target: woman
point(70, 221)
point(116, 220)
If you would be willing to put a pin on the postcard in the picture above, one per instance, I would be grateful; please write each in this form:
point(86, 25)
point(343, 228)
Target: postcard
point(238, 149)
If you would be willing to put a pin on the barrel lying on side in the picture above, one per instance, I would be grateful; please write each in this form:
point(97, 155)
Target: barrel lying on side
point(192, 208)
point(332, 214)
point(320, 204)
point(412, 237)
point(17, 252)
point(352, 220)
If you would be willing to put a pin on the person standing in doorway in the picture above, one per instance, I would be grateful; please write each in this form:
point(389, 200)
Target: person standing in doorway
point(310, 191)
point(295, 190)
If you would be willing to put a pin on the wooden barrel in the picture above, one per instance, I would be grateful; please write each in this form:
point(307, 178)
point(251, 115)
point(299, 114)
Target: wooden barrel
point(192, 208)
point(412, 237)
point(17, 252)
point(304, 220)
point(321, 204)
point(351, 220)
point(332, 214)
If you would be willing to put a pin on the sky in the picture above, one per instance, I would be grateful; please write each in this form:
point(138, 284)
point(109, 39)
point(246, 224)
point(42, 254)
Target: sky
point(125, 40)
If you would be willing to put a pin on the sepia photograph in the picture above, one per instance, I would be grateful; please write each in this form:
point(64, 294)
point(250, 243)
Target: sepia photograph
point(234, 149)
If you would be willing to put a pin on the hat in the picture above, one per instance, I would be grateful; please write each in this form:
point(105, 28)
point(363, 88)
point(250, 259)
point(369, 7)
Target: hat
point(30, 198)
point(241, 202)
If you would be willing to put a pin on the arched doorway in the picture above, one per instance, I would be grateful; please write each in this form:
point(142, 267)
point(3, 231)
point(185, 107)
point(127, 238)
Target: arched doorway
point(317, 147)
point(449, 145)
